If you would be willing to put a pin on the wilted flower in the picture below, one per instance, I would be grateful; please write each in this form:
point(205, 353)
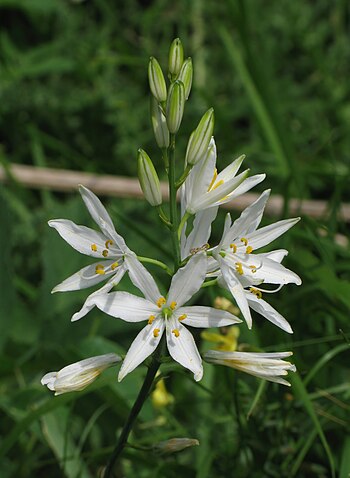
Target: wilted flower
point(174, 445)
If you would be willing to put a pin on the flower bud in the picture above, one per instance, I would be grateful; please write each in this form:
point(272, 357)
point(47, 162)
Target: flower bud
point(160, 127)
point(79, 375)
point(173, 445)
point(200, 138)
point(175, 106)
point(176, 57)
point(186, 75)
point(148, 179)
point(156, 80)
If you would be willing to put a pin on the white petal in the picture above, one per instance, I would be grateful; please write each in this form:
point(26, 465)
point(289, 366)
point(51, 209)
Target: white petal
point(96, 209)
point(248, 221)
point(183, 348)
point(230, 171)
point(126, 306)
point(142, 279)
point(202, 174)
point(246, 185)
point(267, 311)
point(81, 238)
point(144, 345)
point(201, 316)
point(273, 272)
point(188, 280)
point(269, 233)
point(277, 255)
point(89, 302)
point(237, 291)
point(200, 232)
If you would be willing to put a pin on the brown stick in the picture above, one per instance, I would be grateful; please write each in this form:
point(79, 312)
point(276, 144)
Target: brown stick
point(124, 187)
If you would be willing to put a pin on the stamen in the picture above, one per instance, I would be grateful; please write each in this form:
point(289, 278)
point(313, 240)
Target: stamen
point(215, 175)
point(161, 301)
point(99, 269)
point(239, 268)
point(94, 247)
point(114, 265)
point(156, 332)
point(108, 243)
point(245, 241)
point(233, 247)
point(249, 250)
point(176, 332)
point(182, 317)
point(256, 292)
point(173, 305)
point(217, 184)
point(253, 269)
point(105, 253)
point(151, 319)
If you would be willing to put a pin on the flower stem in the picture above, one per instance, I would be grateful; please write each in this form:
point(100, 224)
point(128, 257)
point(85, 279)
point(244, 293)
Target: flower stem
point(141, 398)
point(172, 199)
point(156, 263)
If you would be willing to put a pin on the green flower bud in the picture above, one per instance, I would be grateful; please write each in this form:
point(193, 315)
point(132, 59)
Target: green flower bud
point(160, 127)
point(148, 179)
point(186, 75)
point(156, 80)
point(175, 106)
point(176, 57)
point(200, 138)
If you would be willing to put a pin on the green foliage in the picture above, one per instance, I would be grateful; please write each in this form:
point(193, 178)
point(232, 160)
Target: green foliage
point(73, 95)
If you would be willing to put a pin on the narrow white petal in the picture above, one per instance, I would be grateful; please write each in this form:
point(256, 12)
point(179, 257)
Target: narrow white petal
point(237, 291)
point(200, 232)
point(89, 302)
point(277, 255)
point(188, 280)
point(144, 345)
point(201, 316)
point(246, 185)
point(183, 348)
point(81, 238)
point(142, 279)
point(269, 233)
point(96, 209)
point(273, 272)
point(87, 277)
point(125, 306)
point(266, 310)
point(202, 173)
point(230, 170)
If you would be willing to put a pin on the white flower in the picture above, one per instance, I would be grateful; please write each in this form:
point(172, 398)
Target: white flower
point(204, 188)
point(79, 375)
point(268, 366)
point(107, 246)
point(241, 271)
point(165, 314)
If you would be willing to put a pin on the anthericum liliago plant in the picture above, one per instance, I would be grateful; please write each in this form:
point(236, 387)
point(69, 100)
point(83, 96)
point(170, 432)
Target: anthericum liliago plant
point(234, 264)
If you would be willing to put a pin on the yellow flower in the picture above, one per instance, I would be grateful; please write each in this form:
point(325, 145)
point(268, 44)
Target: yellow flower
point(226, 341)
point(160, 396)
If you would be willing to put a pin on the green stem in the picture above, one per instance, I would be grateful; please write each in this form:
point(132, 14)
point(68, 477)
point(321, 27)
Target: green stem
point(172, 199)
point(182, 223)
point(182, 179)
point(141, 398)
point(163, 216)
point(156, 263)
point(209, 283)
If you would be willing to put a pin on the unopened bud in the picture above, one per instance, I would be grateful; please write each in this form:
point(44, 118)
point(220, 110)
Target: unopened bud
point(186, 75)
point(148, 179)
point(160, 127)
point(175, 106)
point(200, 138)
point(174, 445)
point(156, 80)
point(176, 57)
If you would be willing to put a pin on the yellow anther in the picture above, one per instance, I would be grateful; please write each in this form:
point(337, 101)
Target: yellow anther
point(156, 332)
point(108, 243)
point(253, 269)
point(216, 185)
point(176, 332)
point(249, 250)
point(114, 265)
point(161, 301)
point(256, 292)
point(182, 317)
point(151, 319)
point(105, 253)
point(99, 269)
point(173, 305)
point(233, 247)
point(245, 241)
point(239, 268)
point(94, 247)
point(215, 175)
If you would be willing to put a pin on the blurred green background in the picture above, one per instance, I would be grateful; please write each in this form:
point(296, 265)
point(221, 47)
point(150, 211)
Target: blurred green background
point(74, 95)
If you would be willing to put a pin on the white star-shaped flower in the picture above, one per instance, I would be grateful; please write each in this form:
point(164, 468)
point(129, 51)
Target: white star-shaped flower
point(165, 314)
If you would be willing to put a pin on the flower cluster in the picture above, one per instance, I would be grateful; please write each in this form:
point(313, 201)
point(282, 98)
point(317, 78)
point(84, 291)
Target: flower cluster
point(234, 264)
